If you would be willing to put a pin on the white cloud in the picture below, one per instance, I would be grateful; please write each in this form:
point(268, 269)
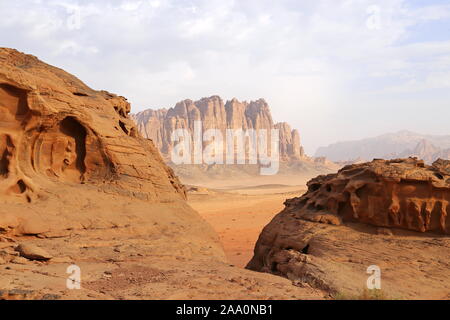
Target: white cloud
point(318, 63)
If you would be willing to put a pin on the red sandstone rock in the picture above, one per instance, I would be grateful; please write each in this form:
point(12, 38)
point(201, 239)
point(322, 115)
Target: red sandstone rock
point(78, 181)
point(397, 193)
point(389, 214)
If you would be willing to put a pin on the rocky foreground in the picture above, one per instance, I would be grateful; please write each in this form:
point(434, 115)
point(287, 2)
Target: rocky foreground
point(390, 214)
point(78, 185)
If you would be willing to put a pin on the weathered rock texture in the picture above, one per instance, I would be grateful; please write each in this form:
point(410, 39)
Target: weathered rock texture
point(392, 214)
point(55, 128)
point(78, 185)
point(158, 125)
point(401, 193)
point(66, 151)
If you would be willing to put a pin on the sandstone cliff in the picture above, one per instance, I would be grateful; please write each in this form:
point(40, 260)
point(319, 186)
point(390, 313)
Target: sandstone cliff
point(158, 125)
point(56, 131)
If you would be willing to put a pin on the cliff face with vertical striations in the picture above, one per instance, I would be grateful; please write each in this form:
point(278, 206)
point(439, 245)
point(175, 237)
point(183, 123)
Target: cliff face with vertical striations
point(158, 125)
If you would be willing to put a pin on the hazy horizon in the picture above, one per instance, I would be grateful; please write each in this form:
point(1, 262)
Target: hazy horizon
point(336, 71)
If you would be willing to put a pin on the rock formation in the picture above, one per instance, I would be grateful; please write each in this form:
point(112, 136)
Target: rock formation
point(56, 129)
point(71, 161)
point(79, 185)
point(397, 193)
point(393, 214)
point(158, 125)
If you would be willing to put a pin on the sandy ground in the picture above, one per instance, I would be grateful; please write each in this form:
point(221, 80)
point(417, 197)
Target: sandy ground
point(239, 213)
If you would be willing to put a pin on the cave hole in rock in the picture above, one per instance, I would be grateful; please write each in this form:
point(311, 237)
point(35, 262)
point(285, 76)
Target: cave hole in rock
point(273, 267)
point(72, 128)
point(305, 250)
point(360, 192)
point(80, 94)
point(120, 112)
point(19, 188)
point(320, 207)
point(439, 176)
point(4, 164)
point(124, 128)
point(5, 154)
point(22, 186)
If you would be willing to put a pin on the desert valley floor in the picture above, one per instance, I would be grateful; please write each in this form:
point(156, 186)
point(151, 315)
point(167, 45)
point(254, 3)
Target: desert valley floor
point(239, 213)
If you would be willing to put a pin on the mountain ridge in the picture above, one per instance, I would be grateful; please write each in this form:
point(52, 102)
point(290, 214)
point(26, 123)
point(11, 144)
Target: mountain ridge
point(399, 144)
point(158, 124)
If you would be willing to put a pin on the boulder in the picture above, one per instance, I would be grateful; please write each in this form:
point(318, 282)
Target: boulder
point(33, 252)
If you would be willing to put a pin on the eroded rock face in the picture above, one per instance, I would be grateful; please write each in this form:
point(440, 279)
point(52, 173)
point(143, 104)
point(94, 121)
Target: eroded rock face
point(79, 185)
point(62, 143)
point(390, 214)
point(158, 125)
point(55, 128)
point(402, 193)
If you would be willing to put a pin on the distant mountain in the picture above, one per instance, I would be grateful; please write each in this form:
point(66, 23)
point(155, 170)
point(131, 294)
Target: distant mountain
point(388, 146)
point(214, 113)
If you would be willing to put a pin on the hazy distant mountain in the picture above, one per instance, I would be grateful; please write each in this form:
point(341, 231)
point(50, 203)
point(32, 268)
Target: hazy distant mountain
point(388, 146)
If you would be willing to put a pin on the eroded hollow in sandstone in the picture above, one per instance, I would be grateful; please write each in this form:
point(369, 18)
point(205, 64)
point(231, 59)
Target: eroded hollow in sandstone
point(69, 150)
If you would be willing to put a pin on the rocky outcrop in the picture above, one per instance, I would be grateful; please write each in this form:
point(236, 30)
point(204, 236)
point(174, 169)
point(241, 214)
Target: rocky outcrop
point(158, 125)
point(64, 146)
point(391, 214)
point(56, 129)
point(401, 193)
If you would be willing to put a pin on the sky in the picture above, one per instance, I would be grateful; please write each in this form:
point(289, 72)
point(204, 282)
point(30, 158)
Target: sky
point(334, 69)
